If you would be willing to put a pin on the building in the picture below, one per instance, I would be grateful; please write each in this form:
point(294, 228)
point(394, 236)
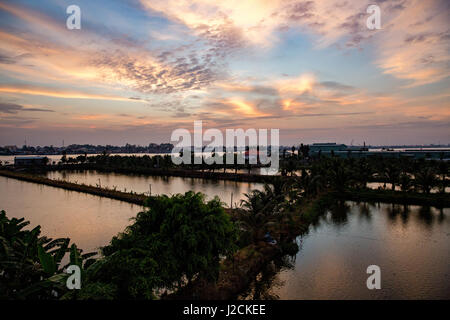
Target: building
point(343, 151)
point(30, 161)
point(11, 148)
point(326, 147)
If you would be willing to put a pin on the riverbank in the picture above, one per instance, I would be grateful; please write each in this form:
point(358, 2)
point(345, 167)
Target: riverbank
point(182, 173)
point(439, 200)
point(130, 197)
point(238, 272)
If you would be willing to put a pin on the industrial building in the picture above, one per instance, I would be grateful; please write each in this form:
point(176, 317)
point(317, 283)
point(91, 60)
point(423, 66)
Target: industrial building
point(344, 151)
point(28, 161)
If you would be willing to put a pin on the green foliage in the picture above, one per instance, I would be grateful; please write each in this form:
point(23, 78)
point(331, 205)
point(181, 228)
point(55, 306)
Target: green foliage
point(261, 210)
point(178, 239)
point(289, 248)
point(30, 264)
point(426, 179)
point(75, 256)
point(47, 261)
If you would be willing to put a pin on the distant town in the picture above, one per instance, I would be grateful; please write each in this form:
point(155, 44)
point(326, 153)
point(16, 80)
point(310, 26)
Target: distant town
point(315, 149)
point(85, 148)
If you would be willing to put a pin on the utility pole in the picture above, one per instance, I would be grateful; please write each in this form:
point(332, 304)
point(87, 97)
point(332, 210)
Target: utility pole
point(231, 203)
point(150, 189)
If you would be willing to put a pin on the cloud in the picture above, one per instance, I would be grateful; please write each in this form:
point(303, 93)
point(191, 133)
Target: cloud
point(58, 93)
point(13, 108)
point(335, 85)
point(194, 65)
point(13, 122)
point(6, 59)
point(107, 59)
point(422, 24)
point(147, 75)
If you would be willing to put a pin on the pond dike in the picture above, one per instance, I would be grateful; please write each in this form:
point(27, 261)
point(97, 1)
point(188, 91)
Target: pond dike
point(237, 273)
point(130, 197)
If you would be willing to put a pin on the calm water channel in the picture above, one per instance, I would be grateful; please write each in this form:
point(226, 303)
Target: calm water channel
point(159, 185)
point(411, 244)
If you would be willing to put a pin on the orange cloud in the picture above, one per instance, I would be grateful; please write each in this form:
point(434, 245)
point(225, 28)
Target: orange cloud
point(40, 91)
point(412, 44)
point(245, 108)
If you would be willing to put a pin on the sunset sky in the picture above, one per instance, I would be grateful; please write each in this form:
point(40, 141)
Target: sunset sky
point(137, 70)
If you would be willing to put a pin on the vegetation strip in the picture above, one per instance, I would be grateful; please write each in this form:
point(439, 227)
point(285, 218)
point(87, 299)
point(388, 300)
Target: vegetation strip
point(439, 200)
point(237, 273)
point(183, 173)
point(103, 192)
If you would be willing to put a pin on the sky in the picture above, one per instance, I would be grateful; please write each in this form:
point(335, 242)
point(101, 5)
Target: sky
point(139, 69)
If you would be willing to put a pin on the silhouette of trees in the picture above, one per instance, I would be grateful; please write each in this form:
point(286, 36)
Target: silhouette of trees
point(178, 239)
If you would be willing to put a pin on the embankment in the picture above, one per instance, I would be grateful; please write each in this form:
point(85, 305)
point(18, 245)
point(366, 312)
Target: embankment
point(103, 192)
point(183, 173)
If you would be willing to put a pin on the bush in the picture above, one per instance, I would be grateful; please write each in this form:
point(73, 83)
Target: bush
point(178, 239)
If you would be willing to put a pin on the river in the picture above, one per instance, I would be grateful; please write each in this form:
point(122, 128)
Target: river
point(411, 247)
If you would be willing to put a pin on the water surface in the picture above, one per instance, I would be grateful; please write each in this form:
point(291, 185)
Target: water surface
point(411, 245)
point(160, 185)
point(89, 221)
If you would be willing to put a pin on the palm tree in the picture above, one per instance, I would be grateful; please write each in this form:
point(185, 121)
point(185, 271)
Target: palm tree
point(363, 173)
point(338, 174)
point(405, 182)
point(260, 208)
point(252, 216)
point(313, 184)
point(392, 173)
point(425, 179)
point(443, 171)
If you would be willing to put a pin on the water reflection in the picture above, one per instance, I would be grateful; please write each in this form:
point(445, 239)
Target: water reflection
point(228, 191)
point(262, 287)
point(89, 221)
point(409, 243)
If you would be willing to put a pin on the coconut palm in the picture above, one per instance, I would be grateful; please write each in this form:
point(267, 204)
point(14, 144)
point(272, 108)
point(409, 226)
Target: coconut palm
point(339, 175)
point(425, 179)
point(260, 208)
point(405, 182)
point(392, 173)
point(443, 171)
point(363, 172)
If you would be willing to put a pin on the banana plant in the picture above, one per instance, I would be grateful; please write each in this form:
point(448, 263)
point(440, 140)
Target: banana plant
point(30, 264)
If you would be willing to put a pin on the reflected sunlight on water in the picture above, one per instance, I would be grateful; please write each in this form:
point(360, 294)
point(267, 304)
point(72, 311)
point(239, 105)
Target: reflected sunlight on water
point(410, 244)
